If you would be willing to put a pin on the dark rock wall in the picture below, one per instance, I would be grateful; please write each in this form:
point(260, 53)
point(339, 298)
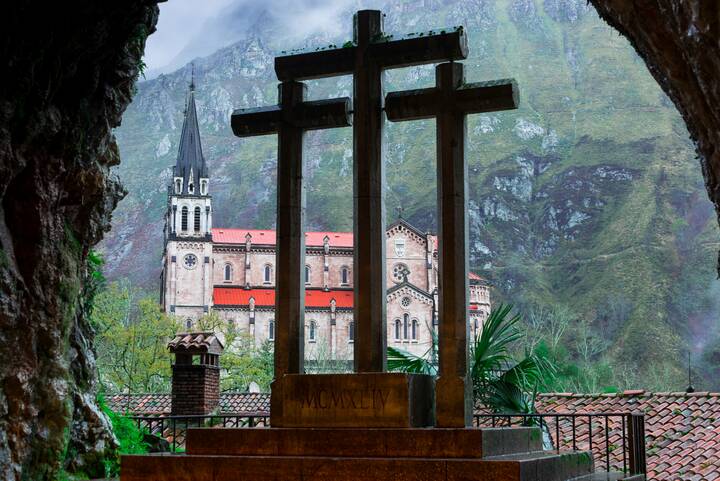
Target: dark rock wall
point(680, 43)
point(68, 72)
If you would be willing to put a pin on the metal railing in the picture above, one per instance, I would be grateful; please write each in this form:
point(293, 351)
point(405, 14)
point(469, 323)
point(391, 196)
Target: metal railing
point(618, 438)
point(174, 428)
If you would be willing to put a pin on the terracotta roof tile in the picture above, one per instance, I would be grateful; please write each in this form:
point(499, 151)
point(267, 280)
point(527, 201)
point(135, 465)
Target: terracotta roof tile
point(682, 430)
point(159, 403)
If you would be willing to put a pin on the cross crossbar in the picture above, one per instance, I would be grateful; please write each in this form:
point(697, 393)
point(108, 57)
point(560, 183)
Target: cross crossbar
point(386, 52)
point(471, 98)
point(317, 114)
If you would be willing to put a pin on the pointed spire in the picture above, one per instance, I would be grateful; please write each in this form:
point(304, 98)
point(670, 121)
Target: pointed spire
point(190, 165)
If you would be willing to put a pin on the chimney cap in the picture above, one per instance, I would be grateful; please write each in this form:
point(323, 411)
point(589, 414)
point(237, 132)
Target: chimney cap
point(195, 343)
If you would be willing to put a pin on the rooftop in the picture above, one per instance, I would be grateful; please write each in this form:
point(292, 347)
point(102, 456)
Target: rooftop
point(682, 429)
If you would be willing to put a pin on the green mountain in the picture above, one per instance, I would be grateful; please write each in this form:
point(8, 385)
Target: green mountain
point(588, 199)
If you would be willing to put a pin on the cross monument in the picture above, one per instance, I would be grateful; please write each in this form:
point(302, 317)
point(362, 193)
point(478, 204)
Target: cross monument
point(449, 102)
point(365, 58)
point(290, 119)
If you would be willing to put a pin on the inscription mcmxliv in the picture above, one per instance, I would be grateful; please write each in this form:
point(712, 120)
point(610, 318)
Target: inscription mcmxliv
point(363, 399)
point(356, 400)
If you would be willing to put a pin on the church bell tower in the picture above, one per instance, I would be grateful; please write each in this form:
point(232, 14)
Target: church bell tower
point(187, 258)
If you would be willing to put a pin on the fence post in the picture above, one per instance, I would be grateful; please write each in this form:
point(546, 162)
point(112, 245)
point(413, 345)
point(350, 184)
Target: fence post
point(636, 436)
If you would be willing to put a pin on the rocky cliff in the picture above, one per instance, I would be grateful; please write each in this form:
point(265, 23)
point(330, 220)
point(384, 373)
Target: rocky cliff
point(66, 81)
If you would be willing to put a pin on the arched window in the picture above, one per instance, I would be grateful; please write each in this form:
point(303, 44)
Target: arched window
point(178, 186)
point(184, 218)
point(414, 332)
point(228, 272)
point(311, 331)
point(351, 331)
point(397, 329)
point(188, 323)
point(191, 187)
point(267, 273)
point(271, 330)
point(307, 274)
point(197, 219)
point(344, 275)
point(406, 321)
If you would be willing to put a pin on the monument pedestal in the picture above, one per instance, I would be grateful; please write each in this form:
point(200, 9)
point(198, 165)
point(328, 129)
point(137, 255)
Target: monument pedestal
point(354, 454)
point(369, 400)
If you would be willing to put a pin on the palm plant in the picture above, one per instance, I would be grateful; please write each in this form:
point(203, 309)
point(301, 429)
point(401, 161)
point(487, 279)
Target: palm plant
point(500, 383)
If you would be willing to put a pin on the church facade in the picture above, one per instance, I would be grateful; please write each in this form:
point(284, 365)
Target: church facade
point(232, 271)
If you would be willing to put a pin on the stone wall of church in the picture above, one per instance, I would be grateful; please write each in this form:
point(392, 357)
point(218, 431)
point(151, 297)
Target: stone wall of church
point(404, 248)
point(188, 275)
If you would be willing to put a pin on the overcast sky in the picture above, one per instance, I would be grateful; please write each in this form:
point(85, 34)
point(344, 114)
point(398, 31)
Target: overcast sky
point(192, 28)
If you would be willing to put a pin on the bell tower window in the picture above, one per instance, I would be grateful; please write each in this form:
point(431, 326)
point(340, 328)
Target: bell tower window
point(178, 186)
point(267, 274)
point(228, 272)
point(197, 219)
point(184, 219)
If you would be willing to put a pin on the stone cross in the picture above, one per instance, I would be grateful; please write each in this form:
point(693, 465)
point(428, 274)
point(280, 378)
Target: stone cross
point(290, 119)
point(370, 53)
point(449, 102)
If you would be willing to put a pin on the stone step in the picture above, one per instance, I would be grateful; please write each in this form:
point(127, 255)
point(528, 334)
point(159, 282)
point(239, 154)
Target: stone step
point(541, 466)
point(611, 476)
point(380, 443)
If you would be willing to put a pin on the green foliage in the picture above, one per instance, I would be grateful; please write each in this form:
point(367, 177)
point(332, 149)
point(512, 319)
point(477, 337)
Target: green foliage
point(499, 381)
point(403, 361)
point(129, 437)
point(131, 341)
point(242, 361)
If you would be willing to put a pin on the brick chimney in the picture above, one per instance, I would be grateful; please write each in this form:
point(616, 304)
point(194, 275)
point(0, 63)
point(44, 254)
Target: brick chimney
point(195, 373)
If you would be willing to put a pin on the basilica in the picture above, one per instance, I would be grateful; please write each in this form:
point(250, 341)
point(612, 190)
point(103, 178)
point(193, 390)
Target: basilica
point(232, 270)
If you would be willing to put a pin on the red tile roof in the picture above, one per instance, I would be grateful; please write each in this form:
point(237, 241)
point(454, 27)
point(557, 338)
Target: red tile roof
point(268, 237)
point(237, 296)
point(159, 403)
point(682, 430)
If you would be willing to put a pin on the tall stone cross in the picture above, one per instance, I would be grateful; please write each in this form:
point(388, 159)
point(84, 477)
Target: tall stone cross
point(370, 53)
point(290, 119)
point(449, 102)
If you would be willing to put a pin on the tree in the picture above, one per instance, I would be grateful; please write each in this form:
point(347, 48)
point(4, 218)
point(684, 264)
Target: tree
point(131, 342)
point(242, 361)
point(499, 381)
